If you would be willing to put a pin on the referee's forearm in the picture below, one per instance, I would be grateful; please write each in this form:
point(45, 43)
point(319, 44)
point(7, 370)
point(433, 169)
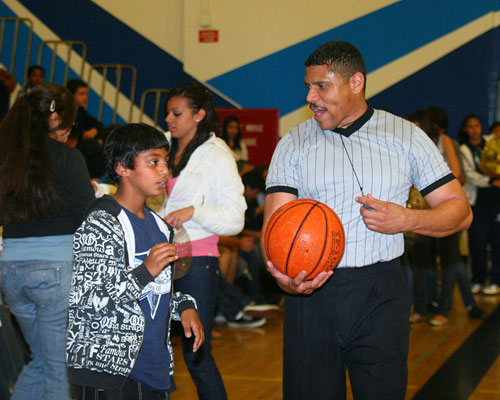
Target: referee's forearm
point(451, 216)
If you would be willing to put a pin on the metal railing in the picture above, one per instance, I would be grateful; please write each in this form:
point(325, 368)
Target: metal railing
point(147, 93)
point(118, 68)
point(15, 39)
point(70, 45)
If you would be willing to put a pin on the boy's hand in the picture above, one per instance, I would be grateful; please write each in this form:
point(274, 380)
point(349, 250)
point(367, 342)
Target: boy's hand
point(159, 257)
point(178, 217)
point(191, 322)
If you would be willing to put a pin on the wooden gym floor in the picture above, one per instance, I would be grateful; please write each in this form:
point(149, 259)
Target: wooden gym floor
point(458, 361)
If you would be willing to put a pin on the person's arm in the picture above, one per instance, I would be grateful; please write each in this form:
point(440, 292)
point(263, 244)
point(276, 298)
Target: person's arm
point(184, 310)
point(289, 285)
point(245, 243)
point(90, 134)
point(452, 158)
point(450, 212)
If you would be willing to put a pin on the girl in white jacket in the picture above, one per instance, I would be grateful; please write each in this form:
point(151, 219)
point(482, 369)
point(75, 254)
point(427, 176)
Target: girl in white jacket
point(205, 196)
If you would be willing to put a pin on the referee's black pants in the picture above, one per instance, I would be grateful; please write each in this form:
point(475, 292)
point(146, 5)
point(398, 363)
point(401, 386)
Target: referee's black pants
point(358, 320)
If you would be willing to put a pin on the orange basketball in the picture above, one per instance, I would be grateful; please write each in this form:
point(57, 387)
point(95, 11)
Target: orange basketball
point(304, 235)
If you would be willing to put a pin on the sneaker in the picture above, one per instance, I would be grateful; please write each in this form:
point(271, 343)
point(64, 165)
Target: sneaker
point(476, 288)
point(416, 317)
point(260, 306)
point(491, 289)
point(243, 320)
point(438, 320)
point(220, 319)
point(476, 313)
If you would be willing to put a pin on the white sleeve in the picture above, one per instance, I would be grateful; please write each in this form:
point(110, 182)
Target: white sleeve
point(223, 210)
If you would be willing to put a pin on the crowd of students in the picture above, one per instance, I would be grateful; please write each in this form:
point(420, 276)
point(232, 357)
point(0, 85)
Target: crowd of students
point(467, 159)
point(114, 258)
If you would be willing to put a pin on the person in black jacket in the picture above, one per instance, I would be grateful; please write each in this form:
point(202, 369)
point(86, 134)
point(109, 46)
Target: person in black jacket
point(43, 195)
point(122, 296)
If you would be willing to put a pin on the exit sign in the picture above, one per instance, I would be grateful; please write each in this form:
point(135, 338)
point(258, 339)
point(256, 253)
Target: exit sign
point(208, 36)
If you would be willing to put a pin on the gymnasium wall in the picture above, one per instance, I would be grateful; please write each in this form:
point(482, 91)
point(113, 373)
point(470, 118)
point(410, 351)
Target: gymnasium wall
point(417, 52)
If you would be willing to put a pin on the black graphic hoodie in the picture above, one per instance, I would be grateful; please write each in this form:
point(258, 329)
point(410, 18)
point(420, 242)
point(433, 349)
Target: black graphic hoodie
point(105, 321)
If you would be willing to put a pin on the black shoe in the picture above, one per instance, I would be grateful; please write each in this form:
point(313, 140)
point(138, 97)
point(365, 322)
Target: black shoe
point(243, 320)
point(476, 313)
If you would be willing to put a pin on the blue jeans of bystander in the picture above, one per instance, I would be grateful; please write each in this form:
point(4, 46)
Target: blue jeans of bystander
point(37, 294)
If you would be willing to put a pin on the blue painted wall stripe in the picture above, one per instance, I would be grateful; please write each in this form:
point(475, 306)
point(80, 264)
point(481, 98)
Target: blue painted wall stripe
point(382, 36)
point(458, 82)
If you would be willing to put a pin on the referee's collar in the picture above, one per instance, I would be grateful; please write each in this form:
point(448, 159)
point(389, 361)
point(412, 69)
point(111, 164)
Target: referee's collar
point(356, 124)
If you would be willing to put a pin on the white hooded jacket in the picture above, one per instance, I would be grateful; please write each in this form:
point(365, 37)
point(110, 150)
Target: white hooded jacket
point(211, 184)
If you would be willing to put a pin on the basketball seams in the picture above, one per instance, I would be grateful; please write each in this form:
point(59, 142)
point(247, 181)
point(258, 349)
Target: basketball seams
point(297, 232)
point(325, 240)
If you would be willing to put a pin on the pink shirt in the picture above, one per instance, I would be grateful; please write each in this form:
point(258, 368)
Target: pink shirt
point(201, 247)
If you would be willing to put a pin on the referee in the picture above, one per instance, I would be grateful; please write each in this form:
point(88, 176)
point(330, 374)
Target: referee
point(362, 163)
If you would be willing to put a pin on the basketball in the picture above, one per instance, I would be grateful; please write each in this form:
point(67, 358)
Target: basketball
point(304, 235)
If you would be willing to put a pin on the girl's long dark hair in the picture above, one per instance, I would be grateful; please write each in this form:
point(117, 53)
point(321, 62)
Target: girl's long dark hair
point(225, 136)
point(462, 135)
point(198, 98)
point(27, 189)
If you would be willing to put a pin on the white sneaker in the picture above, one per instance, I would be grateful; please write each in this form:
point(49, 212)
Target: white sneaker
point(243, 320)
point(220, 319)
point(475, 288)
point(491, 289)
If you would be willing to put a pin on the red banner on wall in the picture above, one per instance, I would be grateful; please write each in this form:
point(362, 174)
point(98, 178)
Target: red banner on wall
point(259, 130)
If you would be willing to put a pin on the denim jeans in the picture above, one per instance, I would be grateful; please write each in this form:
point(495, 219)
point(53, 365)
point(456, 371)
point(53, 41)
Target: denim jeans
point(201, 283)
point(37, 294)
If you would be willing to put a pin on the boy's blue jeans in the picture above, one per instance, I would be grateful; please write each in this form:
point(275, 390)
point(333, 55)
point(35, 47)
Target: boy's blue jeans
point(37, 294)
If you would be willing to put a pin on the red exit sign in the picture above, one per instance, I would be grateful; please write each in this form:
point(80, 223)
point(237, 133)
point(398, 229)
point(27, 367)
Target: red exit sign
point(208, 36)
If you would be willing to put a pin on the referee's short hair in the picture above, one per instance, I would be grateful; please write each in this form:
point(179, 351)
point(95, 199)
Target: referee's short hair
point(340, 57)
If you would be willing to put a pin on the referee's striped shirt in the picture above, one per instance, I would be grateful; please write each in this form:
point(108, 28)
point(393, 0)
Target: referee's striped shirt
point(389, 155)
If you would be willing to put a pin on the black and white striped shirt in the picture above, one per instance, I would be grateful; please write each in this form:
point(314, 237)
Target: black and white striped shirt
point(389, 155)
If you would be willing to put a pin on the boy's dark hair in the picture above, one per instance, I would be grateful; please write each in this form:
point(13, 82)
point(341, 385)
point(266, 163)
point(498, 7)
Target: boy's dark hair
point(253, 180)
point(74, 84)
point(340, 57)
point(127, 141)
point(34, 68)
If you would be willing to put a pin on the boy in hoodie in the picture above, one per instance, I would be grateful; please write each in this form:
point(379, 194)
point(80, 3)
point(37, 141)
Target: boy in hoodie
point(122, 298)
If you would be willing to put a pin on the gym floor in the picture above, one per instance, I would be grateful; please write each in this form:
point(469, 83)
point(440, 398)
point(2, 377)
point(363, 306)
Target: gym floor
point(457, 361)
